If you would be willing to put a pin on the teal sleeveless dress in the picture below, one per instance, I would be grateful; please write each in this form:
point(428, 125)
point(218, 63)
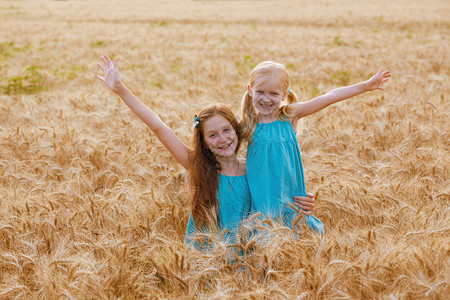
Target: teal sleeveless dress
point(275, 173)
point(234, 207)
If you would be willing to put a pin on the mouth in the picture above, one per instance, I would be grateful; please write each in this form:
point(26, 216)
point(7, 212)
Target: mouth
point(266, 105)
point(225, 147)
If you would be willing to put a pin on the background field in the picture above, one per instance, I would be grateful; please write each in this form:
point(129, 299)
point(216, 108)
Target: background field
point(92, 205)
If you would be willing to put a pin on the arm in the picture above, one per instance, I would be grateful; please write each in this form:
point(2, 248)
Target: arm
point(112, 80)
point(305, 203)
point(304, 109)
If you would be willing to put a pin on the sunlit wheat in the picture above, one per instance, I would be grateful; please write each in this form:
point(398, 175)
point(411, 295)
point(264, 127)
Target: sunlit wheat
point(92, 206)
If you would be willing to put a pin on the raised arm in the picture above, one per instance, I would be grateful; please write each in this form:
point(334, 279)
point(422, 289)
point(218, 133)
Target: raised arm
point(303, 109)
point(112, 80)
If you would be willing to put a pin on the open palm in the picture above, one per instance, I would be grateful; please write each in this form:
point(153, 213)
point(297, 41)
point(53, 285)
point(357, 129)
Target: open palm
point(111, 73)
point(377, 80)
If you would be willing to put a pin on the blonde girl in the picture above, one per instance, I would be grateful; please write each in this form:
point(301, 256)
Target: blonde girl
point(274, 165)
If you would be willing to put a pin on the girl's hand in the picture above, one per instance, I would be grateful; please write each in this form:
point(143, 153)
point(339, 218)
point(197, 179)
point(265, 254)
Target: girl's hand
point(377, 80)
point(305, 203)
point(111, 71)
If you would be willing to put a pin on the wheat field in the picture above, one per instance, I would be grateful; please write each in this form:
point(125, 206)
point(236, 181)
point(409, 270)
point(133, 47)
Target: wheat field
point(92, 206)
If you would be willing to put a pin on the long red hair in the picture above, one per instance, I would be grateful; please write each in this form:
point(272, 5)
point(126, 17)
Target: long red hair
point(204, 169)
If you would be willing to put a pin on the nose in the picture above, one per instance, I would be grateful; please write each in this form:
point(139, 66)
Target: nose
point(222, 137)
point(265, 97)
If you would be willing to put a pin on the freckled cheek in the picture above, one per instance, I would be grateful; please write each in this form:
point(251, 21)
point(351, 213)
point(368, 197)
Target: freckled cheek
point(234, 137)
point(210, 144)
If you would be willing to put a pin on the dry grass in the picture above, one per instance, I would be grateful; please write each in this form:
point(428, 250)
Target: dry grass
point(92, 206)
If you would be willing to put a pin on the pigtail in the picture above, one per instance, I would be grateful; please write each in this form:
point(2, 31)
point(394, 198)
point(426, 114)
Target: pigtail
point(249, 117)
point(285, 111)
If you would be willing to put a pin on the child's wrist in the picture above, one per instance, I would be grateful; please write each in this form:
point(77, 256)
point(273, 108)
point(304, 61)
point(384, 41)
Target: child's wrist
point(366, 86)
point(119, 88)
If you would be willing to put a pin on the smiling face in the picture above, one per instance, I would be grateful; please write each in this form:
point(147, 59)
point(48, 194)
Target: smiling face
point(267, 95)
point(220, 136)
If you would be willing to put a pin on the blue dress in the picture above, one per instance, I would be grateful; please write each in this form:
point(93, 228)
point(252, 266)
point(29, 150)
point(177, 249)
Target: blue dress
point(275, 173)
point(234, 207)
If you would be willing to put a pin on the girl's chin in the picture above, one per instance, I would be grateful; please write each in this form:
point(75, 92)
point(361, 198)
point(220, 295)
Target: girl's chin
point(266, 110)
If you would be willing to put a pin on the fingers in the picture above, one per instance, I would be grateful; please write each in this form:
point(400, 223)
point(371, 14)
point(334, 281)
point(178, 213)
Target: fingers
point(105, 66)
point(101, 67)
point(106, 61)
point(309, 198)
point(305, 203)
point(385, 76)
point(380, 78)
point(306, 206)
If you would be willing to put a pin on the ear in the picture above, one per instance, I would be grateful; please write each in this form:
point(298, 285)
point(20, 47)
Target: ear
point(249, 90)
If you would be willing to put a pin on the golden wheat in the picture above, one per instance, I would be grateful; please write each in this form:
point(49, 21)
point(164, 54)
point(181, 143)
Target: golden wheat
point(93, 206)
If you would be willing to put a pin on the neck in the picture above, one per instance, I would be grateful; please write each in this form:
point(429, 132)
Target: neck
point(228, 165)
point(266, 119)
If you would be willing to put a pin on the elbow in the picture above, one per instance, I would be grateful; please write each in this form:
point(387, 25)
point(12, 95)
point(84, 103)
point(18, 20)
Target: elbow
point(157, 128)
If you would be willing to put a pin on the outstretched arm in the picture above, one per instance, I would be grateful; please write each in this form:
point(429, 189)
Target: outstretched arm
point(112, 80)
point(303, 109)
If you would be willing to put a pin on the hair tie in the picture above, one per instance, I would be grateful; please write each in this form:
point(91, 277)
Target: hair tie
point(289, 91)
point(196, 121)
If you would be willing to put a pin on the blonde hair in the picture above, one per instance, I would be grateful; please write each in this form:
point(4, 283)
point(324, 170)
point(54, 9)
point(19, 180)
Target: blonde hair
point(249, 112)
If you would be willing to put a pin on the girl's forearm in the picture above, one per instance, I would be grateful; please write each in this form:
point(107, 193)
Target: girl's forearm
point(168, 138)
point(140, 109)
point(303, 109)
point(346, 92)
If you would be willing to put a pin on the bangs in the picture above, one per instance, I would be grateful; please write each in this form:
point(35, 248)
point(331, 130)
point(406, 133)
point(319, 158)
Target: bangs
point(271, 79)
point(268, 71)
